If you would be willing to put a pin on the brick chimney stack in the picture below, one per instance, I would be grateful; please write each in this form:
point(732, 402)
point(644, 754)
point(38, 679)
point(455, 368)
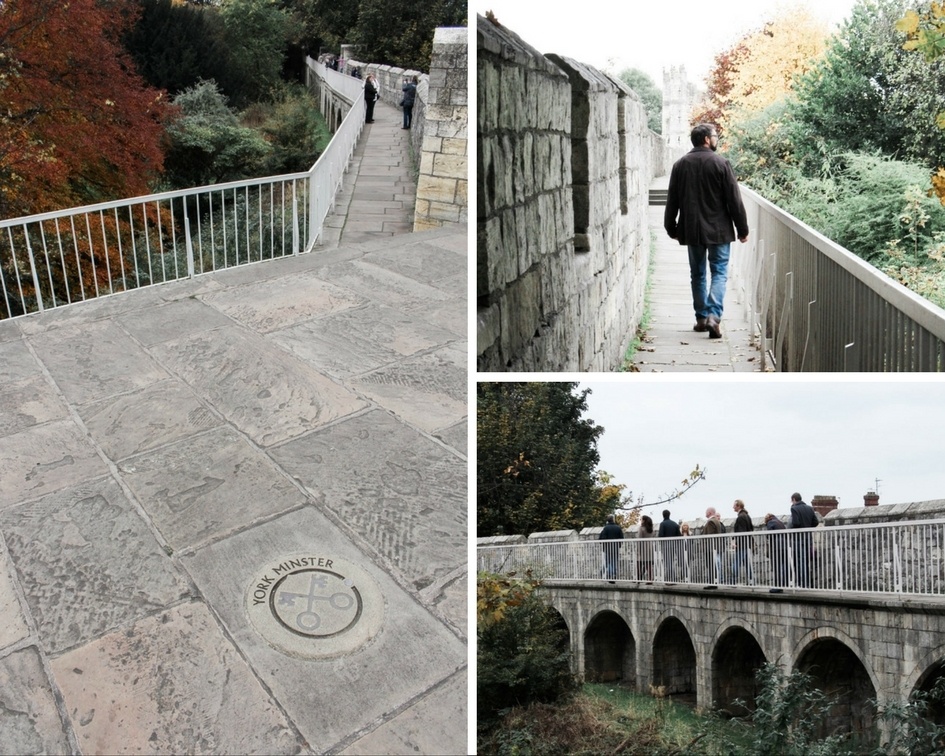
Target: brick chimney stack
point(871, 499)
point(824, 504)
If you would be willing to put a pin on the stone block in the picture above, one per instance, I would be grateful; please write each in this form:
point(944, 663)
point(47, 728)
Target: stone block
point(448, 166)
point(436, 189)
point(29, 718)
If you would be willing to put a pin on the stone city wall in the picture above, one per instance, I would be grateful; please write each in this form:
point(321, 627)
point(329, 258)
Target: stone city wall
point(565, 160)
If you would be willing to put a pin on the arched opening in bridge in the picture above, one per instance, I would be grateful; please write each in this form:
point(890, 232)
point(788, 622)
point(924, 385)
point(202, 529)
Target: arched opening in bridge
point(839, 673)
point(936, 708)
point(609, 650)
point(735, 660)
point(674, 661)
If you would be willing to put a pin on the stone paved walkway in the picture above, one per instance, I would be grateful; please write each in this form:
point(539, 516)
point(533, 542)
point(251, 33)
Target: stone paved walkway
point(670, 344)
point(379, 191)
point(233, 509)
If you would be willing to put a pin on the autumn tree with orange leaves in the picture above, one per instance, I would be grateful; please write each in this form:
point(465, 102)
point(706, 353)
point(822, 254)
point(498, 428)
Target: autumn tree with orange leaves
point(78, 125)
point(761, 67)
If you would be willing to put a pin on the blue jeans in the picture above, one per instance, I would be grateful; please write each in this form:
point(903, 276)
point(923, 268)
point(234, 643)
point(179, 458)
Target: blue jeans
point(709, 302)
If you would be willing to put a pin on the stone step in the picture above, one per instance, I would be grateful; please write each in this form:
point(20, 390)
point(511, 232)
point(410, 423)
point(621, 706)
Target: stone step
point(658, 196)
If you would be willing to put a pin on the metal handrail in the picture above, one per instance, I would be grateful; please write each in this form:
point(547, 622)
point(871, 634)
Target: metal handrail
point(901, 558)
point(818, 307)
point(48, 260)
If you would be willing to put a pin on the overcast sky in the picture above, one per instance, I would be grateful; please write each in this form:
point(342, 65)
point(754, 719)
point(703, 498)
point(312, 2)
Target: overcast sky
point(761, 440)
point(650, 36)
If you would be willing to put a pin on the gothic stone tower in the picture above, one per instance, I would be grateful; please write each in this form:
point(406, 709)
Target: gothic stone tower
point(679, 98)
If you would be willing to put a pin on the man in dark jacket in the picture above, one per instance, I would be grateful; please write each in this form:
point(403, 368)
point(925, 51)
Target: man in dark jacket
point(671, 551)
point(703, 206)
point(802, 516)
point(610, 532)
point(410, 95)
point(742, 545)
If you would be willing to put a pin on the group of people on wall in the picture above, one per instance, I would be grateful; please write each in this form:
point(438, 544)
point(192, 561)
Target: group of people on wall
point(716, 560)
point(372, 94)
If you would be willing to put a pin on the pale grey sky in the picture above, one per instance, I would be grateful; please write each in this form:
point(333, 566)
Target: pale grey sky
point(761, 440)
point(650, 36)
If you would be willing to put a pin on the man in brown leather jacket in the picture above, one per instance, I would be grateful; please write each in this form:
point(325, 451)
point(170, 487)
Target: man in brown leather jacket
point(703, 206)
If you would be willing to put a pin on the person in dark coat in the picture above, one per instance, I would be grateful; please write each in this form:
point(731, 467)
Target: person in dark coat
point(802, 516)
point(777, 552)
point(410, 95)
point(370, 97)
point(670, 529)
point(610, 532)
point(703, 205)
point(742, 545)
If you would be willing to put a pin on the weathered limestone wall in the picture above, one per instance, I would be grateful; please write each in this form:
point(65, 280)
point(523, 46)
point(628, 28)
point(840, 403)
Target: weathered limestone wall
point(564, 165)
point(442, 186)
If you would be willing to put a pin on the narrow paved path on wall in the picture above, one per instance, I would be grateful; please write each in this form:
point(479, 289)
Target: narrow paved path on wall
point(379, 191)
point(670, 345)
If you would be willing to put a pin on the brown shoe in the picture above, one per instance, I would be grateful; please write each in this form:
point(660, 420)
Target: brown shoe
point(700, 325)
point(712, 325)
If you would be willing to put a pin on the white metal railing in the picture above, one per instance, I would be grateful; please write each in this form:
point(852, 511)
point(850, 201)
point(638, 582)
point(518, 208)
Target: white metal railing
point(819, 307)
point(888, 558)
point(53, 259)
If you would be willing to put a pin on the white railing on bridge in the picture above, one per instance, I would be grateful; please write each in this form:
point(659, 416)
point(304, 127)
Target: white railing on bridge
point(902, 558)
point(819, 307)
point(53, 259)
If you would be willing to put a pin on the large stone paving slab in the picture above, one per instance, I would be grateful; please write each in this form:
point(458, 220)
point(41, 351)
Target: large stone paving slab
point(46, 458)
point(87, 563)
point(426, 263)
point(169, 684)
point(360, 339)
point(29, 720)
point(385, 286)
point(428, 391)
point(403, 493)
point(329, 699)
point(282, 302)
point(157, 415)
point(258, 387)
point(172, 321)
point(95, 361)
point(207, 485)
point(428, 726)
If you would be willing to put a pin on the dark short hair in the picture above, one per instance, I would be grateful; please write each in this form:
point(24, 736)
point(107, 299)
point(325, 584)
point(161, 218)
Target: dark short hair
point(700, 133)
point(610, 518)
point(665, 514)
point(795, 497)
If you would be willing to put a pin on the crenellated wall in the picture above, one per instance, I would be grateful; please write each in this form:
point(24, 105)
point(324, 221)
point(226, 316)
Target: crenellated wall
point(565, 160)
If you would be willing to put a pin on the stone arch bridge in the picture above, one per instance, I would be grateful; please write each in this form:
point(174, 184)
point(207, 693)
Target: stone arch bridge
point(705, 647)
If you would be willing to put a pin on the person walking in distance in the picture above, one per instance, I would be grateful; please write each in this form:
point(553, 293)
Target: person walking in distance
point(645, 550)
point(742, 545)
point(410, 94)
point(712, 559)
point(610, 533)
point(777, 552)
point(802, 516)
point(669, 529)
point(703, 205)
point(370, 97)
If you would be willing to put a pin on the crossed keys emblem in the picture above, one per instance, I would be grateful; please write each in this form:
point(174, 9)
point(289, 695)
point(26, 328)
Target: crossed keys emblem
point(315, 603)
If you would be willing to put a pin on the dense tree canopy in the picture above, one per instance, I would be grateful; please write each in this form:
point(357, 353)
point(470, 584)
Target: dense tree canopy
point(77, 122)
point(536, 459)
point(868, 93)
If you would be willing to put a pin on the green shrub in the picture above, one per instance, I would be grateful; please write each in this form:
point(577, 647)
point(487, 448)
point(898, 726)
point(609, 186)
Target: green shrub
point(522, 645)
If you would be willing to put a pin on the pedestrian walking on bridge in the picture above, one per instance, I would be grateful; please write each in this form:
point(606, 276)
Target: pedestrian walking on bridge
point(611, 533)
point(703, 205)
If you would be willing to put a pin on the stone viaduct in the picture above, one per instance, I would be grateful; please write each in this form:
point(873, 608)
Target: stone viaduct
point(704, 646)
point(565, 160)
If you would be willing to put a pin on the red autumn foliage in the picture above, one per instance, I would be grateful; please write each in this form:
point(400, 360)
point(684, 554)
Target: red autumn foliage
point(78, 124)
